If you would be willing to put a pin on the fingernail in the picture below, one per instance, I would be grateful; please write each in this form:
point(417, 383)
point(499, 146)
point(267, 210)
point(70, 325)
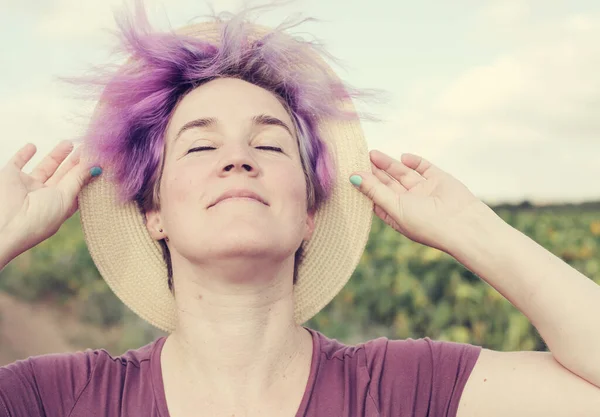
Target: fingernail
point(356, 180)
point(95, 171)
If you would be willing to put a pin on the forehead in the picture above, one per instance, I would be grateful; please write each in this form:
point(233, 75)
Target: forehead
point(228, 99)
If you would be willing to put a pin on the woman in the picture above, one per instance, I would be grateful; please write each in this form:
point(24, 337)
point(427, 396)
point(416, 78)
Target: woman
point(234, 204)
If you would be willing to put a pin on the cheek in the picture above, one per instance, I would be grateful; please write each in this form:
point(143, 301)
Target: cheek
point(179, 192)
point(176, 190)
point(297, 190)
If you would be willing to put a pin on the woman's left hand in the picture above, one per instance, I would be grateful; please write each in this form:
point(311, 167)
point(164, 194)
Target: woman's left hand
point(418, 199)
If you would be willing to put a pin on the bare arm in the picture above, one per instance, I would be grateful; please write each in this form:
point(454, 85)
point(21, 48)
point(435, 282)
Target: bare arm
point(7, 245)
point(431, 207)
point(35, 205)
point(526, 384)
point(4, 256)
point(562, 303)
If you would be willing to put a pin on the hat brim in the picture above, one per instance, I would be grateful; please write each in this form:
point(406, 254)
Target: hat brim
point(131, 262)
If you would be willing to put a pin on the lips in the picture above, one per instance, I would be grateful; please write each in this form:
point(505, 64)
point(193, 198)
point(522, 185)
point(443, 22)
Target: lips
point(238, 193)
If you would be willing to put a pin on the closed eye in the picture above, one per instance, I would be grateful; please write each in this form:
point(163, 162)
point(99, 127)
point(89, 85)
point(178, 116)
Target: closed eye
point(206, 148)
point(270, 148)
point(201, 148)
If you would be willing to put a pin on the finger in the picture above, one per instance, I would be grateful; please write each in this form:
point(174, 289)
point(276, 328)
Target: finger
point(73, 160)
point(403, 174)
point(386, 179)
point(29, 182)
point(378, 192)
point(48, 165)
point(384, 215)
point(74, 180)
point(73, 209)
point(381, 213)
point(23, 156)
point(421, 165)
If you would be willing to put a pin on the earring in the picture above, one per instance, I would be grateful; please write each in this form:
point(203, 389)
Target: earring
point(166, 238)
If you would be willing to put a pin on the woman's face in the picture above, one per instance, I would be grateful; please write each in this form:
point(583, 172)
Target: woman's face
point(230, 136)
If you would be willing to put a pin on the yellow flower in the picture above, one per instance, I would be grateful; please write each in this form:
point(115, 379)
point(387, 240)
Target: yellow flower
point(595, 228)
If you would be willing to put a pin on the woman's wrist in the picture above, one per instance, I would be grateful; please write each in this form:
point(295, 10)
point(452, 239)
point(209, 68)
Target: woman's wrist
point(8, 240)
point(5, 258)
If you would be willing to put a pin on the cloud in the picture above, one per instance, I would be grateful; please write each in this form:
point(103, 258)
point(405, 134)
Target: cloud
point(525, 123)
point(544, 91)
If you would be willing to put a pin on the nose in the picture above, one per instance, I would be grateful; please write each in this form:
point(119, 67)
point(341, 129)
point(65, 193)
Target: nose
point(239, 162)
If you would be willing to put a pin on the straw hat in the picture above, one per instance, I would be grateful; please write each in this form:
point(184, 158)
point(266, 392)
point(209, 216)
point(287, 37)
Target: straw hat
point(131, 262)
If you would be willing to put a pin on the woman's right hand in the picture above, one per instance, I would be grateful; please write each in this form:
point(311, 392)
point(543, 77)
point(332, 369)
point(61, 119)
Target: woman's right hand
point(35, 205)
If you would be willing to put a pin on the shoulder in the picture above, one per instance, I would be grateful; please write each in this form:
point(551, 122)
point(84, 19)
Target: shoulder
point(374, 353)
point(420, 355)
point(46, 384)
point(428, 376)
point(78, 367)
point(56, 382)
point(404, 377)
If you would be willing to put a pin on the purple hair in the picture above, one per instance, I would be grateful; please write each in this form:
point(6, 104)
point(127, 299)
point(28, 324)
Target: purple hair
point(138, 100)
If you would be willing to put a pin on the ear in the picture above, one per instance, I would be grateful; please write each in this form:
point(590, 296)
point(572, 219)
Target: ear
point(310, 225)
point(154, 225)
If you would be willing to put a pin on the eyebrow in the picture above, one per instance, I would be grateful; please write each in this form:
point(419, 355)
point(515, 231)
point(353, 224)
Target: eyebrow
point(259, 120)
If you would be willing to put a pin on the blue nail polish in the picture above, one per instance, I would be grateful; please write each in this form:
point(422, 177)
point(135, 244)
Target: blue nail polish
point(95, 171)
point(356, 180)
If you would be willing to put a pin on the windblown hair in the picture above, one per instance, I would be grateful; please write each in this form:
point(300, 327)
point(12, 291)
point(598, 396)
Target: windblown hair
point(138, 99)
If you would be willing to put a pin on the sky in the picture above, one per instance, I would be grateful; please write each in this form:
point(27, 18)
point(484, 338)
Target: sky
point(502, 94)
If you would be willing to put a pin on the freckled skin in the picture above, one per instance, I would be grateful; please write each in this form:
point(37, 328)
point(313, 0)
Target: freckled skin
point(191, 181)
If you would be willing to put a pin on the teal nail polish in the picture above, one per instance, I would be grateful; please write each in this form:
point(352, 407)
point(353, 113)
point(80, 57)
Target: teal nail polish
point(356, 180)
point(95, 171)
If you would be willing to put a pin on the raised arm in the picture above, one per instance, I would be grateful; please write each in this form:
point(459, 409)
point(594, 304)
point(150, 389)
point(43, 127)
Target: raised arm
point(563, 305)
point(431, 207)
point(35, 205)
point(33, 208)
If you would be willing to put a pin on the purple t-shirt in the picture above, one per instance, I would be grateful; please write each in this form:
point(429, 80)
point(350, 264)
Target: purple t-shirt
point(381, 377)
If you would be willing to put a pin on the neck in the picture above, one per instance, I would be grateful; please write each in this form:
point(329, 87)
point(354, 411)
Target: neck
point(238, 336)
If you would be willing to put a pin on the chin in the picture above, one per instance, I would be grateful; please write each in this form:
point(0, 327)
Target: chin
point(239, 246)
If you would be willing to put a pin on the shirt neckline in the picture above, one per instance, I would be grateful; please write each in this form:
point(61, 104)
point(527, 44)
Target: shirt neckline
point(159, 389)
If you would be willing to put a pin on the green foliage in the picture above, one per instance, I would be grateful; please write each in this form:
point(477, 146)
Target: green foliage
point(61, 270)
point(400, 289)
